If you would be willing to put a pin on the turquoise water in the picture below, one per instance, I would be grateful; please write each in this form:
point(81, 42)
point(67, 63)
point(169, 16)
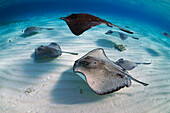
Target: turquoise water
point(57, 88)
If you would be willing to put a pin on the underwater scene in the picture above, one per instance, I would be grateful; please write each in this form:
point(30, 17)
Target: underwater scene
point(91, 56)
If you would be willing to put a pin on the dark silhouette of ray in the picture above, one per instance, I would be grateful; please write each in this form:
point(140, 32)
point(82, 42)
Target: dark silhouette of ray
point(79, 23)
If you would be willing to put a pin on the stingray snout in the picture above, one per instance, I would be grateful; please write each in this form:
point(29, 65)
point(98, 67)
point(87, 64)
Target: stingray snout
point(76, 63)
point(65, 19)
point(80, 63)
point(62, 18)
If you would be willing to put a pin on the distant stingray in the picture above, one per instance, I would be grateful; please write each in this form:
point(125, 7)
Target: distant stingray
point(103, 75)
point(79, 23)
point(34, 30)
point(128, 65)
point(166, 34)
point(121, 35)
point(53, 50)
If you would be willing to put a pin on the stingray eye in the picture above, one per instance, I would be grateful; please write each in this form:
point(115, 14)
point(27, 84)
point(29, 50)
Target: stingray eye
point(94, 62)
point(84, 63)
point(39, 49)
point(121, 61)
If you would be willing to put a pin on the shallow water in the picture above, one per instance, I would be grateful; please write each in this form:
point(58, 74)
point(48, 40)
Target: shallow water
point(57, 88)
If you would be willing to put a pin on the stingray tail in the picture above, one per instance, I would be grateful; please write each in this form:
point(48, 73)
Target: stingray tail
point(49, 28)
point(70, 53)
point(135, 38)
point(144, 63)
point(130, 77)
point(125, 30)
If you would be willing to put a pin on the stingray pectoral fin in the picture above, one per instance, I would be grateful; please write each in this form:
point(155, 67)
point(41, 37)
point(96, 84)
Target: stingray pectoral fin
point(130, 77)
point(82, 76)
point(123, 36)
point(128, 67)
point(53, 55)
point(70, 53)
point(109, 32)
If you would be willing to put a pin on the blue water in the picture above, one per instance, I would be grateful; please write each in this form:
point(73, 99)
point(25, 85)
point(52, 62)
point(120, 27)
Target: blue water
point(57, 87)
point(25, 8)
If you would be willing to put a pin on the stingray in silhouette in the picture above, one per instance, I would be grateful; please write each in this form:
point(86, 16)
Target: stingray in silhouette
point(34, 30)
point(79, 23)
point(166, 34)
point(122, 36)
point(129, 65)
point(52, 50)
point(102, 75)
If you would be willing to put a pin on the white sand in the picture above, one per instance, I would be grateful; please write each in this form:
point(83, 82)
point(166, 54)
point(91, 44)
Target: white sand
point(58, 89)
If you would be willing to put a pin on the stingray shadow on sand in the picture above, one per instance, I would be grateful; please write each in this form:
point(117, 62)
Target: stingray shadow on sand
point(71, 89)
point(34, 68)
point(152, 52)
point(105, 43)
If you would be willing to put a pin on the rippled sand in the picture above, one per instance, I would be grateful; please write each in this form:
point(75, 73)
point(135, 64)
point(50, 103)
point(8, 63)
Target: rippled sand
point(58, 90)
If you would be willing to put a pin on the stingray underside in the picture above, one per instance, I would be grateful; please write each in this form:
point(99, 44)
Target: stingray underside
point(102, 76)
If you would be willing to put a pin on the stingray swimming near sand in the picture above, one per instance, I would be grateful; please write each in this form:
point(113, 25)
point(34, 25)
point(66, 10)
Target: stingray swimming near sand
point(166, 34)
point(102, 75)
point(122, 36)
point(79, 23)
point(129, 65)
point(34, 30)
point(52, 50)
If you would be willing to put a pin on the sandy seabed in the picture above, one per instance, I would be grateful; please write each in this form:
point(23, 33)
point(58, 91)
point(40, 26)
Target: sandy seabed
point(58, 90)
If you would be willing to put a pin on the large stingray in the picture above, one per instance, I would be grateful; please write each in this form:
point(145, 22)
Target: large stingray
point(122, 36)
point(34, 30)
point(53, 50)
point(103, 75)
point(79, 23)
point(128, 65)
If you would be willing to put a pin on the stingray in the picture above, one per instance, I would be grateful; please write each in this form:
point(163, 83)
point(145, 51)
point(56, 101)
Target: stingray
point(52, 50)
point(166, 34)
point(34, 30)
point(128, 65)
point(121, 35)
point(79, 23)
point(102, 75)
